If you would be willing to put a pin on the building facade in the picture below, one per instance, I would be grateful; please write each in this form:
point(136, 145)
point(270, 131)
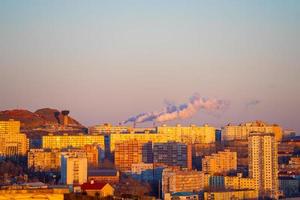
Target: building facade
point(171, 154)
point(242, 131)
point(130, 152)
point(12, 142)
point(220, 163)
point(76, 141)
point(73, 169)
point(263, 163)
point(44, 159)
point(189, 135)
point(176, 180)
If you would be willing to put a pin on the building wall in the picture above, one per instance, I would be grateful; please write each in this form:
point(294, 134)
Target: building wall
point(73, 169)
point(130, 152)
point(176, 180)
point(50, 159)
point(44, 159)
point(241, 132)
point(170, 154)
point(229, 195)
point(76, 141)
point(189, 135)
point(220, 163)
point(263, 163)
point(12, 142)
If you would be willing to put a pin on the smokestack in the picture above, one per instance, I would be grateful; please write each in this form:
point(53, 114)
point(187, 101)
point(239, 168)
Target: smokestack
point(182, 111)
point(65, 114)
point(134, 124)
point(189, 157)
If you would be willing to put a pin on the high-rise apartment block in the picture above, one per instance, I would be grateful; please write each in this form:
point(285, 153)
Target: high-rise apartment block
point(76, 141)
point(242, 131)
point(73, 169)
point(12, 142)
point(171, 154)
point(220, 163)
point(131, 152)
point(263, 163)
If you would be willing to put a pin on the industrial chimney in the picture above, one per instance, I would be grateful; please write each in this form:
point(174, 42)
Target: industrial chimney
point(65, 116)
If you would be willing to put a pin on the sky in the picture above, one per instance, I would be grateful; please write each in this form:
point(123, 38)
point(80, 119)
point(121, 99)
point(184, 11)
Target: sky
point(106, 61)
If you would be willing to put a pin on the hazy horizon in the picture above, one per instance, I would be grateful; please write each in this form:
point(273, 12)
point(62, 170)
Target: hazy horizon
point(106, 61)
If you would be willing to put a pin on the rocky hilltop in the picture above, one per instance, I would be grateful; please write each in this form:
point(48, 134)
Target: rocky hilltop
point(40, 118)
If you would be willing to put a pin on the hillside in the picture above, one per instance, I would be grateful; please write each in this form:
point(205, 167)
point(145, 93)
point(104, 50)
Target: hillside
point(39, 118)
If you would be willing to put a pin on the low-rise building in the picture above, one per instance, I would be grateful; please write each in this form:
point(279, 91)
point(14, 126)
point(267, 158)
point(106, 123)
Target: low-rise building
point(102, 189)
point(104, 175)
point(231, 194)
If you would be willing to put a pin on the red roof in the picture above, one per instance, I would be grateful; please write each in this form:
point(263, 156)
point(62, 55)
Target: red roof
point(93, 186)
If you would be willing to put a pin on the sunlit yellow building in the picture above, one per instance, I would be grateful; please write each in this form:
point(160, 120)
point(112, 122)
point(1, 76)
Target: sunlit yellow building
point(12, 142)
point(239, 182)
point(220, 163)
point(242, 131)
point(192, 134)
point(108, 129)
point(50, 159)
point(231, 194)
point(77, 141)
point(10, 127)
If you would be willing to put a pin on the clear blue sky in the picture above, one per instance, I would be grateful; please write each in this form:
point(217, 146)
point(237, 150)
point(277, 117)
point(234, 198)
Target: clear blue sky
point(108, 60)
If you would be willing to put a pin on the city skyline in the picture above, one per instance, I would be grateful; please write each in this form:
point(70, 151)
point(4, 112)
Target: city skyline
point(108, 61)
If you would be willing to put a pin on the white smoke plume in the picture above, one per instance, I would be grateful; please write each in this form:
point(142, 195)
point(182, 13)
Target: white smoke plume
point(182, 111)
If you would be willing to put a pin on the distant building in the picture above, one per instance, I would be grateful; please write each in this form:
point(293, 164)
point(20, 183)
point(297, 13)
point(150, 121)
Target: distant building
point(93, 153)
point(106, 129)
point(104, 175)
point(263, 163)
point(75, 140)
point(142, 171)
point(50, 159)
point(181, 196)
point(12, 142)
point(231, 194)
point(289, 186)
point(220, 163)
point(190, 135)
point(242, 131)
point(294, 163)
point(176, 180)
point(131, 152)
point(231, 182)
point(44, 159)
point(73, 169)
point(171, 154)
